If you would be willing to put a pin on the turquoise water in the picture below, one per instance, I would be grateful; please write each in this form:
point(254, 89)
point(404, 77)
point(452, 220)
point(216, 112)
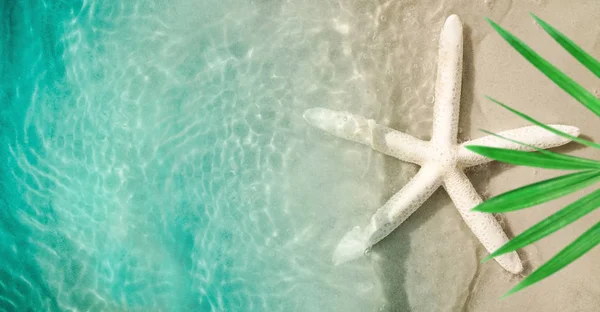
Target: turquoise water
point(154, 157)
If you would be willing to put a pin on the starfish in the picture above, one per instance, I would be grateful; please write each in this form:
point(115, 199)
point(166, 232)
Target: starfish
point(442, 159)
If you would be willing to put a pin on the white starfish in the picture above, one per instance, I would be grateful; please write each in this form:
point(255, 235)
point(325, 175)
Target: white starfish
point(442, 160)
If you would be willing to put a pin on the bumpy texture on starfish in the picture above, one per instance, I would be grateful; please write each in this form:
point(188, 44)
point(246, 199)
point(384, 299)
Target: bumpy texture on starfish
point(442, 160)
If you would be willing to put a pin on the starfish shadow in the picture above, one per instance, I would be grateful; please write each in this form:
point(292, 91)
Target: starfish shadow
point(393, 251)
point(391, 254)
point(467, 96)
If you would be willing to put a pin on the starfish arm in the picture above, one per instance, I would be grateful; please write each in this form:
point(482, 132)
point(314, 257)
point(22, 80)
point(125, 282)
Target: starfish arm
point(532, 135)
point(485, 227)
point(448, 83)
point(395, 211)
point(366, 131)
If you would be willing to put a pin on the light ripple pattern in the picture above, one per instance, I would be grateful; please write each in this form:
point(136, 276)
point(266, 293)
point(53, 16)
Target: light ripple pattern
point(154, 156)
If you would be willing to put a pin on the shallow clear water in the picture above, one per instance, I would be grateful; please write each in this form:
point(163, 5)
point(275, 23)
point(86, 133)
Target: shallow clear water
point(154, 157)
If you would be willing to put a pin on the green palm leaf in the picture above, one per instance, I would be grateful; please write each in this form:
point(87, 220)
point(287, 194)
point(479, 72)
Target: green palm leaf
point(583, 57)
point(553, 223)
point(539, 160)
point(539, 124)
point(558, 77)
point(592, 164)
point(557, 187)
point(583, 244)
point(540, 192)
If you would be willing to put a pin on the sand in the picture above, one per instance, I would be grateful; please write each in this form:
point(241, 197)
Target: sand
point(431, 263)
point(518, 83)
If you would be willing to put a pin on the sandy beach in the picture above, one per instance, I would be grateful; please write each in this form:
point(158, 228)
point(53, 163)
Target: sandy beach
point(155, 156)
point(433, 254)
